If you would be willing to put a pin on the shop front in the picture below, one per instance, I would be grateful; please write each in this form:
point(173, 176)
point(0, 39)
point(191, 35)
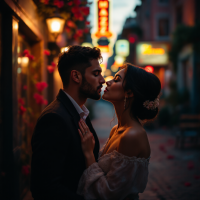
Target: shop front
point(22, 38)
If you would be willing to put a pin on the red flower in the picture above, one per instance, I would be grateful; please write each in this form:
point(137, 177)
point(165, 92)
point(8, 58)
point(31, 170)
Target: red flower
point(77, 2)
point(187, 184)
point(85, 10)
point(70, 3)
point(21, 101)
point(25, 87)
point(86, 30)
point(31, 57)
point(41, 86)
point(39, 99)
point(67, 30)
point(75, 10)
point(58, 3)
point(50, 69)
point(46, 2)
point(170, 157)
point(87, 23)
point(197, 177)
point(53, 64)
point(71, 24)
point(46, 52)
point(26, 52)
point(26, 170)
point(78, 16)
point(190, 165)
point(162, 148)
point(45, 102)
point(22, 110)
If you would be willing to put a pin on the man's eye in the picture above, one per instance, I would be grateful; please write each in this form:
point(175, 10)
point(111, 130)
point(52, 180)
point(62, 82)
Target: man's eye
point(96, 74)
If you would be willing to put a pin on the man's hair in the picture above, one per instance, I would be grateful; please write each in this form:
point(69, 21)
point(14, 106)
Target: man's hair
point(76, 58)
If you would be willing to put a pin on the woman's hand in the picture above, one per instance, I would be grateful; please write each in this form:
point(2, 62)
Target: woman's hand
point(87, 138)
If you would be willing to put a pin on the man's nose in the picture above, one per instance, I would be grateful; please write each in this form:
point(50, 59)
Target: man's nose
point(102, 80)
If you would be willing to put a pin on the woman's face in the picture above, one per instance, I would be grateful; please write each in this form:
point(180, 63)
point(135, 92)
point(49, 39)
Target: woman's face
point(114, 91)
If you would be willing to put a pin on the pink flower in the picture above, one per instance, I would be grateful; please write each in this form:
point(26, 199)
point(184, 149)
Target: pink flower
point(187, 184)
point(170, 157)
point(26, 170)
point(22, 110)
point(53, 64)
point(45, 102)
point(85, 10)
point(46, 52)
point(39, 99)
point(50, 68)
point(41, 86)
point(21, 101)
point(25, 87)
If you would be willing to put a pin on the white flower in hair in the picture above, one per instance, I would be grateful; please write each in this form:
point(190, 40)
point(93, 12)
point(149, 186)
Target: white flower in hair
point(151, 105)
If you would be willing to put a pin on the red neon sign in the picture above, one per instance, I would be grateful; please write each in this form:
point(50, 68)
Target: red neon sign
point(149, 69)
point(103, 19)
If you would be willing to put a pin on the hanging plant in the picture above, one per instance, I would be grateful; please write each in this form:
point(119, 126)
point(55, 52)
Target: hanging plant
point(74, 12)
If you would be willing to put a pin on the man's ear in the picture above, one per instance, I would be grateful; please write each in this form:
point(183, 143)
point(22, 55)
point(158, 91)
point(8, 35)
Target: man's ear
point(76, 76)
point(129, 94)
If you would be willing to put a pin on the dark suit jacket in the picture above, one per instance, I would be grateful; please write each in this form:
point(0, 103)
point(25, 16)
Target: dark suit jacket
point(57, 160)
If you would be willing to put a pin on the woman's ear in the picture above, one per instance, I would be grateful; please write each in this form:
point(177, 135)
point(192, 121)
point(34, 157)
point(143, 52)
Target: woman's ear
point(129, 94)
point(76, 76)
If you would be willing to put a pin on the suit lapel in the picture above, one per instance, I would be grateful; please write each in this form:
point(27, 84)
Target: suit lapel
point(69, 106)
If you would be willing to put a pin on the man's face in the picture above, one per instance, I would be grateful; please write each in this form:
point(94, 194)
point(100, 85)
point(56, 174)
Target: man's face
point(92, 81)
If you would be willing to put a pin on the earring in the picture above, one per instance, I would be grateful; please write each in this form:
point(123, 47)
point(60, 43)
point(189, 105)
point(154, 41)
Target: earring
point(124, 103)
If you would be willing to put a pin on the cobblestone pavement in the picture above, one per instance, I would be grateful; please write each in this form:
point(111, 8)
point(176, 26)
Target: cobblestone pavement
point(173, 174)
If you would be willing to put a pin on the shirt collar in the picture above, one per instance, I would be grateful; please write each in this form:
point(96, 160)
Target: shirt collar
point(82, 111)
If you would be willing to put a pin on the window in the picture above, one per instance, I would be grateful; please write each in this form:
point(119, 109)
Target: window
point(163, 27)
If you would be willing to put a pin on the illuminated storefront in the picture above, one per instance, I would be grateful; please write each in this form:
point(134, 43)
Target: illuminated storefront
point(153, 56)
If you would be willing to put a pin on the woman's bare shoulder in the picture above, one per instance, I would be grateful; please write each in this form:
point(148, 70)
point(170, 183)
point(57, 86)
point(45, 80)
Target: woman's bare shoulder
point(130, 143)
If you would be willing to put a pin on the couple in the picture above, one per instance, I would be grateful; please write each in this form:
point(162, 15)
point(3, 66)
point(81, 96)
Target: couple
point(66, 161)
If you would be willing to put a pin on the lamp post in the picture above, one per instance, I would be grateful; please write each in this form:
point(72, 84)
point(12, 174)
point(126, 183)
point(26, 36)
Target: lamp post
point(55, 25)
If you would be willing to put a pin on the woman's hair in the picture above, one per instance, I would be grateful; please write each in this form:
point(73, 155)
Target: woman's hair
point(144, 86)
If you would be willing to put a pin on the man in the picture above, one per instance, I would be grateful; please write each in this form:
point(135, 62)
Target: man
point(57, 159)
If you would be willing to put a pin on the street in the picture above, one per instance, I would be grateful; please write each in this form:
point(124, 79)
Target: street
point(173, 174)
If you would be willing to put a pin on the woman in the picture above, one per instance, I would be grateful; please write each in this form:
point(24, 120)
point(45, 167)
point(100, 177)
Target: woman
point(122, 168)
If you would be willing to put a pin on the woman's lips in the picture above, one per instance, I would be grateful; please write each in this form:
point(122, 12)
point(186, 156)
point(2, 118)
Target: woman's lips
point(106, 89)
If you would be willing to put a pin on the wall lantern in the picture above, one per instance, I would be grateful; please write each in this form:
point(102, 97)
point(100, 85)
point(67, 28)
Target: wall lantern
point(55, 25)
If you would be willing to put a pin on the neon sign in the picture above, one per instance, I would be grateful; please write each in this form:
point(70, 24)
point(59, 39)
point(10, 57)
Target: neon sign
point(103, 19)
point(149, 50)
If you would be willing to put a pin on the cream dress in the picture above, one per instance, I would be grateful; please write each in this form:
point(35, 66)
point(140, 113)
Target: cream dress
point(114, 177)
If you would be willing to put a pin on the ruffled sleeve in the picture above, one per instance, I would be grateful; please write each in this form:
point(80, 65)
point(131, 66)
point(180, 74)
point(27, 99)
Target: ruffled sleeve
point(115, 176)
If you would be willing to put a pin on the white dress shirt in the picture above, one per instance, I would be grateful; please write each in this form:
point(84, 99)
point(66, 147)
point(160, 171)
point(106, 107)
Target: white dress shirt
point(82, 111)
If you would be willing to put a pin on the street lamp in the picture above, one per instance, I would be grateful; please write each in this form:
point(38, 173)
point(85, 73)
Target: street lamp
point(55, 25)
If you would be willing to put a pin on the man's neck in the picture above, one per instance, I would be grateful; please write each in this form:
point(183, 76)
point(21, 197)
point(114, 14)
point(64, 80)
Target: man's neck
point(76, 96)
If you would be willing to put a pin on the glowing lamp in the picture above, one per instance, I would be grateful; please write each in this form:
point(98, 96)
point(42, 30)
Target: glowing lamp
point(149, 69)
point(55, 25)
point(114, 68)
point(63, 49)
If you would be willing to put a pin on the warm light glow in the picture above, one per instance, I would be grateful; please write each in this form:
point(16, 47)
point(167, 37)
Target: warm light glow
point(87, 44)
point(122, 48)
point(107, 72)
point(103, 20)
point(103, 4)
point(108, 78)
point(55, 25)
point(148, 50)
point(24, 61)
point(119, 60)
point(114, 68)
point(19, 60)
point(63, 49)
point(15, 26)
point(104, 49)
point(149, 69)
